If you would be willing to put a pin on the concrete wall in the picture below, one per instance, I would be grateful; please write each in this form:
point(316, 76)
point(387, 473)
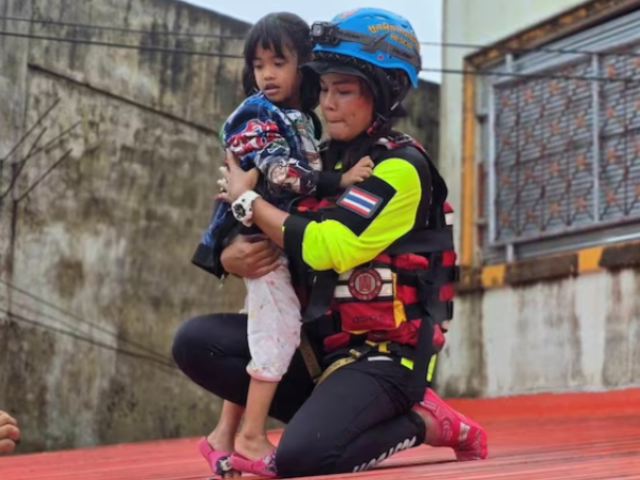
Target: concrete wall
point(579, 334)
point(94, 262)
point(568, 335)
point(107, 237)
point(422, 121)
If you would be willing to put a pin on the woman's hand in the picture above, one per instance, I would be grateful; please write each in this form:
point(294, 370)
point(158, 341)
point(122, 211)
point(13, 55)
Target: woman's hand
point(9, 433)
point(250, 257)
point(236, 181)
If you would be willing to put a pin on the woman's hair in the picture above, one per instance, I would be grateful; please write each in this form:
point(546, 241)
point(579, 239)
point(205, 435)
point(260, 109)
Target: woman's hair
point(276, 31)
point(388, 88)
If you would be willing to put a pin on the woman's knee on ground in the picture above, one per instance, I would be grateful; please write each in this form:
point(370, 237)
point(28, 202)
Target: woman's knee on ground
point(297, 459)
point(300, 456)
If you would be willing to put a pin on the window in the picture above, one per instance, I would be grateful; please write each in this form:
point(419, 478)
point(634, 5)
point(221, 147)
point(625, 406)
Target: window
point(561, 145)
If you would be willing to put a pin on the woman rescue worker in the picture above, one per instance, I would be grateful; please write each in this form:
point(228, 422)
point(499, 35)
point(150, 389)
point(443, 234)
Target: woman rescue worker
point(374, 270)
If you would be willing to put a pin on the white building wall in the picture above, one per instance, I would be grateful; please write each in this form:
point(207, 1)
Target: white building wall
point(576, 334)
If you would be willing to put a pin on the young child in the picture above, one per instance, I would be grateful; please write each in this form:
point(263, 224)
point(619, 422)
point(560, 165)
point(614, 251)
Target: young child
point(275, 130)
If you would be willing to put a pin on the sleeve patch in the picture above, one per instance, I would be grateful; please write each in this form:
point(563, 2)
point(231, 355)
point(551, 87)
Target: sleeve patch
point(360, 202)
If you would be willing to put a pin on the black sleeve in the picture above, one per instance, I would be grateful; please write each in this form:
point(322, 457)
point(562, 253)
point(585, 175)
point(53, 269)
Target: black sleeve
point(328, 184)
point(294, 227)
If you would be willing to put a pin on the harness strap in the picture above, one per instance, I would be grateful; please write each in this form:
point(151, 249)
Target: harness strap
point(323, 286)
point(368, 351)
point(448, 274)
point(355, 353)
point(423, 353)
point(309, 357)
point(335, 366)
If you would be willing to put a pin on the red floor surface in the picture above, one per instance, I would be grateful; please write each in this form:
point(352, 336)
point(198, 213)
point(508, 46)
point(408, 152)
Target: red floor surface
point(541, 437)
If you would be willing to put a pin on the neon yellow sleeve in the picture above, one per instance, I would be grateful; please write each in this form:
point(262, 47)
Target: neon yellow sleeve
point(350, 240)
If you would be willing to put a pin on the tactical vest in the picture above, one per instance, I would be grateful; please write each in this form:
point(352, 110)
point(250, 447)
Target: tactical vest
point(402, 294)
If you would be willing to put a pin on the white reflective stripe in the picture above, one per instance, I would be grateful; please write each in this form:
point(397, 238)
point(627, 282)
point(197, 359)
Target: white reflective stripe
point(448, 218)
point(381, 358)
point(385, 274)
point(342, 291)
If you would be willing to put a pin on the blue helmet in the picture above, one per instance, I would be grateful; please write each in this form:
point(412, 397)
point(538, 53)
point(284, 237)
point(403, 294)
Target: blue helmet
point(373, 35)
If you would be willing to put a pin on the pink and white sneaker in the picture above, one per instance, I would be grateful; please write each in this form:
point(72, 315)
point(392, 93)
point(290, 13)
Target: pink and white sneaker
point(467, 438)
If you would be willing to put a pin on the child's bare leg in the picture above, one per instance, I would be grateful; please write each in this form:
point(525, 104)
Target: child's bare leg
point(273, 334)
point(223, 437)
point(252, 441)
point(221, 440)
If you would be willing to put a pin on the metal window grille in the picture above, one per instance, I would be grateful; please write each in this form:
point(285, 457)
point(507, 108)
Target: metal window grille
point(562, 145)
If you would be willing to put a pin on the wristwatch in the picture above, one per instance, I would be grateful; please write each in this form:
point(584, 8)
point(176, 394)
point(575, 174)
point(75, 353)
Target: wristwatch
point(242, 207)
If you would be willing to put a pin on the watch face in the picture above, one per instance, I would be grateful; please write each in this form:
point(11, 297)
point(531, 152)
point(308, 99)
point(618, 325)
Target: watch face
point(239, 210)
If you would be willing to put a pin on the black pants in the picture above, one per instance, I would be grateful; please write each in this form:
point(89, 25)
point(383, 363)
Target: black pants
point(357, 417)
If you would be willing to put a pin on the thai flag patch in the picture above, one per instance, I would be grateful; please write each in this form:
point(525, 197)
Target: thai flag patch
point(360, 201)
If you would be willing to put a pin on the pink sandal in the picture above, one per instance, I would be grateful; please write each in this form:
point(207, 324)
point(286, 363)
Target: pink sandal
point(265, 467)
point(218, 461)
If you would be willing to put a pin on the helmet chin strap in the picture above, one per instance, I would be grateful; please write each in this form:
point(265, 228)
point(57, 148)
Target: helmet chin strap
point(381, 120)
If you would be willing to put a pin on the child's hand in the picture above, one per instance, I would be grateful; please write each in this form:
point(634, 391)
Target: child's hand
point(235, 181)
point(359, 172)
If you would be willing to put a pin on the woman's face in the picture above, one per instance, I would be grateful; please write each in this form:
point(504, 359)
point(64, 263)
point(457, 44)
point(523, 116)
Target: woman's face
point(347, 105)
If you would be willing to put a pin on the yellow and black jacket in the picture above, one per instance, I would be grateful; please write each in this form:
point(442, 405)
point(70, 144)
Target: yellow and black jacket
point(375, 267)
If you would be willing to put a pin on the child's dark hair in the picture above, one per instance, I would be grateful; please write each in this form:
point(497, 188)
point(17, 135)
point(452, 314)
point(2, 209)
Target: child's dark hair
point(274, 31)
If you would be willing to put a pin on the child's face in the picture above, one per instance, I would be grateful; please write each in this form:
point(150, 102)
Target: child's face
point(279, 78)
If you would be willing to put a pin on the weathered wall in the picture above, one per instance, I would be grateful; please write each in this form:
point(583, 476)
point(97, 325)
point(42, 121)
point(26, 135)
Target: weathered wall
point(569, 335)
point(575, 334)
point(422, 120)
point(13, 84)
point(108, 235)
point(99, 262)
point(578, 334)
point(13, 73)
